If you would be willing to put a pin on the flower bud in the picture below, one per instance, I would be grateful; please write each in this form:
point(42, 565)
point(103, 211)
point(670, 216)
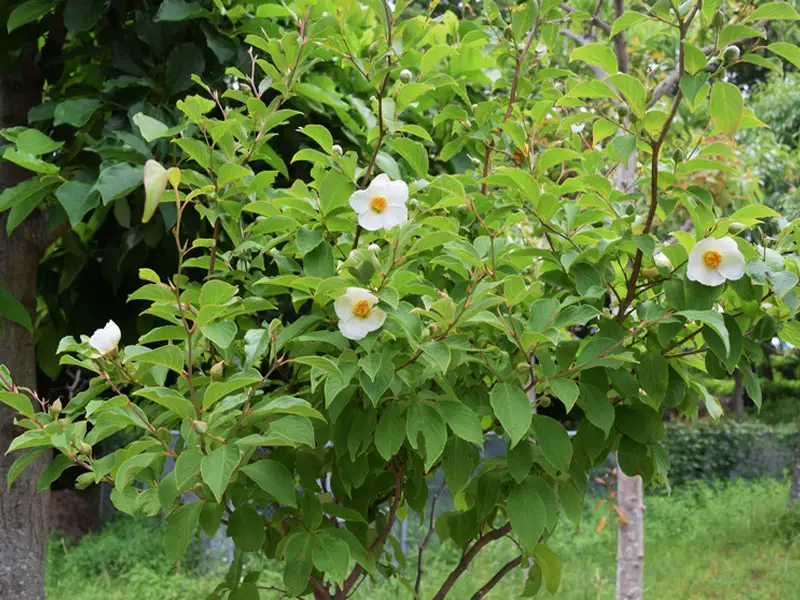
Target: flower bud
point(336, 150)
point(630, 210)
point(650, 273)
point(474, 107)
point(85, 449)
point(200, 427)
point(413, 203)
point(661, 260)
point(374, 48)
point(406, 76)
point(374, 248)
point(736, 227)
point(677, 156)
point(731, 54)
point(718, 20)
point(55, 408)
point(544, 401)
point(622, 111)
point(218, 369)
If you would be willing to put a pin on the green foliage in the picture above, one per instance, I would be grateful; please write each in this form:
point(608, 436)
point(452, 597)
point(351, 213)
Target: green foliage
point(710, 451)
point(329, 338)
point(706, 541)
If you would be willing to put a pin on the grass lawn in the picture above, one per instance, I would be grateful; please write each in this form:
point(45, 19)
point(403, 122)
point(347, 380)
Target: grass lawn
point(730, 542)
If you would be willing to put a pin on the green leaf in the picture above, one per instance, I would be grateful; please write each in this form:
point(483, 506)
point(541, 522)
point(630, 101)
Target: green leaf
point(774, 11)
point(598, 407)
point(75, 112)
point(633, 91)
point(565, 390)
point(184, 61)
point(553, 441)
point(82, 15)
point(169, 398)
point(435, 55)
point(18, 466)
point(170, 357)
point(231, 172)
point(654, 375)
point(33, 141)
point(390, 432)
point(695, 59)
point(513, 410)
point(155, 184)
point(726, 107)
point(319, 262)
point(733, 33)
point(130, 468)
point(462, 420)
point(221, 333)
point(321, 135)
point(150, 128)
point(519, 461)
point(627, 19)
point(118, 180)
point(596, 54)
point(53, 471)
point(570, 502)
point(180, 530)
point(293, 428)
point(179, 10)
point(414, 154)
point(29, 161)
point(218, 467)
point(714, 320)
point(217, 293)
point(422, 418)
point(274, 478)
point(526, 512)
point(786, 50)
point(332, 556)
point(13, 310)
point(219, 389)
point(752, 385)
point(551, 568)
point(77, 198)
point(408, 93)
point(438, 354)
point(691, 84)
point(790, 333)
point(29, 11)
point(319, 362)
point(754, 211)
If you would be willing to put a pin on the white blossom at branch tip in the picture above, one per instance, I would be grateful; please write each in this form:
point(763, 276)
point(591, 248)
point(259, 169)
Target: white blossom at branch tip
point(713, 261)
point(105, 340)
point(382, 205)
point(357, 313)
point(662, 261)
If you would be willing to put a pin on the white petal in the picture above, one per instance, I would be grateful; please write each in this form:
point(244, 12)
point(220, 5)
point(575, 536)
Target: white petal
point(354, 329)
point(357, 293)
point(371, 221)
point(706, 276)
point(343, 306)
point(732, 265)
point(375, 319)
point(702, 247)
point(112, 329)
point(395, 215)
point(398, 193)
point(359, 201)
point(726, 245)
point(380, 183)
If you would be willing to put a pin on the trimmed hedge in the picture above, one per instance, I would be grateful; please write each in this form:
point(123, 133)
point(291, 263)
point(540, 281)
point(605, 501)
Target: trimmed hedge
point(708, 451)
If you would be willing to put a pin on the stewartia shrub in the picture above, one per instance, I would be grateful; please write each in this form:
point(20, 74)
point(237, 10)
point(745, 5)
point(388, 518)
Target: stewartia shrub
point(471, 205)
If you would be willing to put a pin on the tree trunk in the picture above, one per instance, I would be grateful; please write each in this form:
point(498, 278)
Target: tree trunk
point(738, 395)
point(630, 538)
point(794, 489)
point(24, 514)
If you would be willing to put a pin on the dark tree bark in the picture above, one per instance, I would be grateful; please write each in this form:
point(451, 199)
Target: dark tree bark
point(24, 514)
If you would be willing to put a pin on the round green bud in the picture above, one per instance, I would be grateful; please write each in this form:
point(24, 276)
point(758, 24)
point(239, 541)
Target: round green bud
point(630, 210)
point(544, 401)
point(56, 408)
point(736, 227)
point(622, 110)
point(677, 156)
point(85, 449)
point(374, 48)
point(336, 150)
point(218, 369)
point(413, 203)
point(374, 248)
point(717, 20)
point(731, 54)
point(200, 427)
point(406, 76)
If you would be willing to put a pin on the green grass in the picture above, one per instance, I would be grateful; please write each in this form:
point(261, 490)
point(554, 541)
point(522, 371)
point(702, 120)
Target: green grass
point(731, 541)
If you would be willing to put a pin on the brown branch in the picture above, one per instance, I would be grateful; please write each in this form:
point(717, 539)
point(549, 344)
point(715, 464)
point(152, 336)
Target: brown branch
point(215, 241)
point(427, 540)
point(512, 96)
point(468, 557)
point(377, 544)
point(620, 43)
point(504, 570)
point(680, 342)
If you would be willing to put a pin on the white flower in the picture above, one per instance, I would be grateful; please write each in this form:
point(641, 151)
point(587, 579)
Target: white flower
point(357, 313)
point(713, 260)
point(382, 205)
point(105, 340)
point(662, 261)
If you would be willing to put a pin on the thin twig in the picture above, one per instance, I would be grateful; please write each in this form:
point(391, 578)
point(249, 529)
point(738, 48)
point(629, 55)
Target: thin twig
point(427, 539)
point(504, 570)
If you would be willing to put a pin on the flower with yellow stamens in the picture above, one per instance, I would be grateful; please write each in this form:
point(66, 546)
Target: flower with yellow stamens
point(382, 205)
point(712, 261)
point(357, 313)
